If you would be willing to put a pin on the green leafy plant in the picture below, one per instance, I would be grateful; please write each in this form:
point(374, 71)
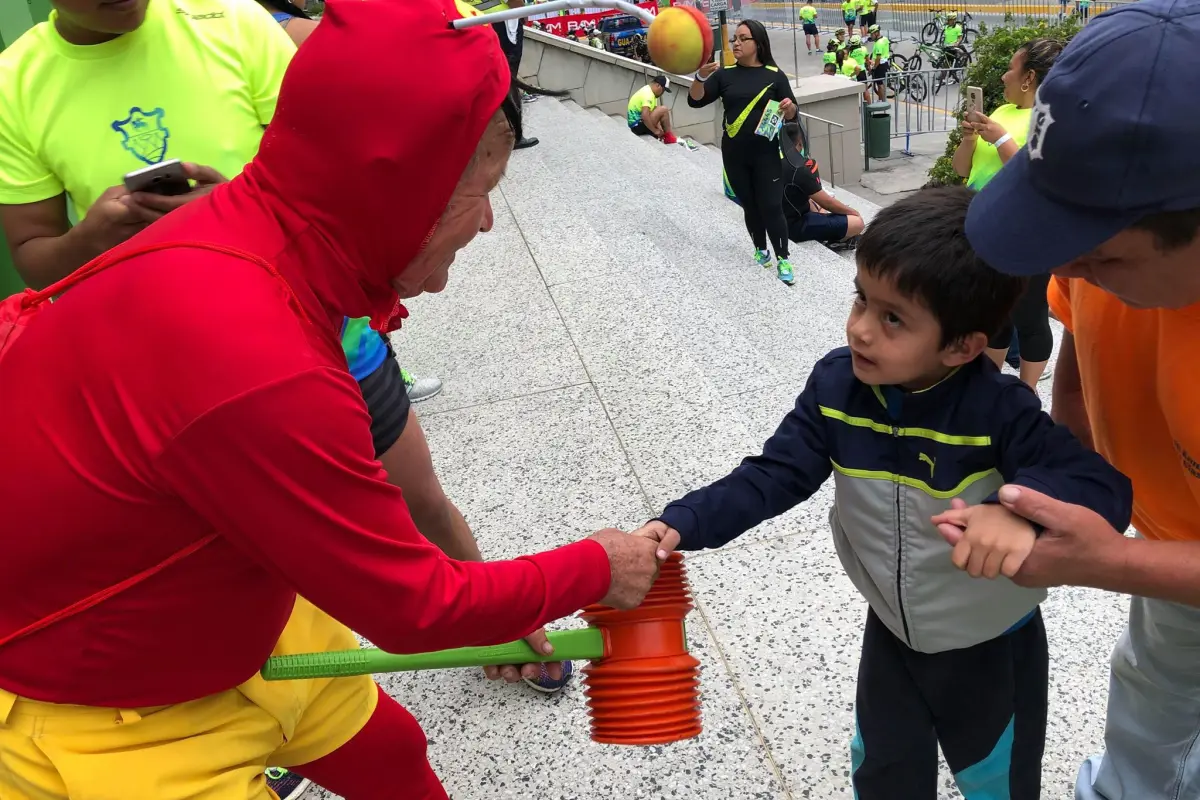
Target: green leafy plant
point(993, 50)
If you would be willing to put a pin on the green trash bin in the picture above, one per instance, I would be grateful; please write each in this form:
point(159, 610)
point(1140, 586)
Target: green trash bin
point(877, 129)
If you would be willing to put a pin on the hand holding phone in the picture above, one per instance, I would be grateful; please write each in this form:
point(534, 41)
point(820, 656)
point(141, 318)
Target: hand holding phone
point(163, 196)
point(166, 178)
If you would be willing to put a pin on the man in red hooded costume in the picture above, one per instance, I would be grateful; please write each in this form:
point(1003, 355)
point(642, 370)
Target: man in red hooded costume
point(183, 452)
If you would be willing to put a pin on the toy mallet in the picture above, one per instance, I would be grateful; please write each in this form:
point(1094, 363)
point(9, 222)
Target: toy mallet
point(642, 686)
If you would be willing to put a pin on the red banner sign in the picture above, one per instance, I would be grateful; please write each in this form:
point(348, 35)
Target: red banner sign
point(561, 26)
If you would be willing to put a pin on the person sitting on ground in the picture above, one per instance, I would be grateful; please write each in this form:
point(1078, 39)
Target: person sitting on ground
point(988, 143)
point(199, 466)
point(880, 60)
point(644, 114)
point(813, 214)
point(906, 418)
point(812, 34)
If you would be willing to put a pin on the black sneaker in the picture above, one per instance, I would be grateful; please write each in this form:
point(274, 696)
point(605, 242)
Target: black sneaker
point(528, 141)
point(287, 785)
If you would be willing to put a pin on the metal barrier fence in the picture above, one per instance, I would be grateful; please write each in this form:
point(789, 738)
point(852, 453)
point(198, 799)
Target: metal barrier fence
point(904, 19)
point(923, 102)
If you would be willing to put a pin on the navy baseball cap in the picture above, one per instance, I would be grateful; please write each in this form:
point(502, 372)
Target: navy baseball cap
point(1114, 136)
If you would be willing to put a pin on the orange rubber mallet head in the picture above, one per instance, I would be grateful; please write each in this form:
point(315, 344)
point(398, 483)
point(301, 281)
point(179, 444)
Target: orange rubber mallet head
point(646, 688)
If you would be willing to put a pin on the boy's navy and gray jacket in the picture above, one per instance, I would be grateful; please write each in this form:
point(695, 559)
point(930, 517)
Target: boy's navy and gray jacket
point(898, 458)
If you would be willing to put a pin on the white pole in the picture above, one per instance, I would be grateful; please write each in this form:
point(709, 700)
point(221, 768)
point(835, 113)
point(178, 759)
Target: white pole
point(553, 5)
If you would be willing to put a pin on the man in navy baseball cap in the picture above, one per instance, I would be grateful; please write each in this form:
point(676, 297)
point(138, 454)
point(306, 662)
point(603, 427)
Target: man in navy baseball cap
point(1112, 140)
point(1106, 195)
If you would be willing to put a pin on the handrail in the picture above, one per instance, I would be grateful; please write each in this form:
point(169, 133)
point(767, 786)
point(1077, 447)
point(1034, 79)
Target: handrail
point(554, 5)
point(800, 113)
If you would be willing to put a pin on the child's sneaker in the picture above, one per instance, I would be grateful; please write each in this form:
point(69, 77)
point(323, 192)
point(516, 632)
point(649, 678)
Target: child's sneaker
point(762, 258)
point(784, 269)
point(287, 785)
point(547, 685)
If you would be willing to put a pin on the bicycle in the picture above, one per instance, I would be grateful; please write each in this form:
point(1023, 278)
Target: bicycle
point(904, 78)
point(933, 30)
point(950, 62)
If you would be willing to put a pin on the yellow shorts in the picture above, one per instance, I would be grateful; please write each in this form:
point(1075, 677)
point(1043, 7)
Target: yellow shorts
point(216, 747)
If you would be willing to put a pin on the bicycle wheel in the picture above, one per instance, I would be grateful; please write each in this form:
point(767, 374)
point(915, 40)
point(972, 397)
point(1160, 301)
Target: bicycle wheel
point(917, 88)
point(962, 60)
point(914, 63)
point(968, 39)
point(930, 33)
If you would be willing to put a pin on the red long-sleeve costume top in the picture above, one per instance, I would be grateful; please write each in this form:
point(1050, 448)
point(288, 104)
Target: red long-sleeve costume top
point(185, 392)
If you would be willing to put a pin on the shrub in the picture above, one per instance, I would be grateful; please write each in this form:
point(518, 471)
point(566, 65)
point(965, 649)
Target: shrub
point(993, 50)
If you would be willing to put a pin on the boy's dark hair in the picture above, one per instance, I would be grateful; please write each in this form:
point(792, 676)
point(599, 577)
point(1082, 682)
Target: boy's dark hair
point(1172, 229)
point(920, 245)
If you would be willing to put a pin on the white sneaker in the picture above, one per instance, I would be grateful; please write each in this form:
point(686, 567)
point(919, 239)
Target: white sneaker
point(420, 388)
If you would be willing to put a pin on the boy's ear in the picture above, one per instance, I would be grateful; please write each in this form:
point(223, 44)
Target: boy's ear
point(964, 350)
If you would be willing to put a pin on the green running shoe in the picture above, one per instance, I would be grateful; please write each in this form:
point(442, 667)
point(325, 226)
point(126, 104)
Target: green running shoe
point(762, 258)
point(784, 268)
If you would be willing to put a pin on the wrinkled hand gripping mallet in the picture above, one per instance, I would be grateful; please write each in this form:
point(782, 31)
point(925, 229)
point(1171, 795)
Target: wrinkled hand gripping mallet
point(642, 686)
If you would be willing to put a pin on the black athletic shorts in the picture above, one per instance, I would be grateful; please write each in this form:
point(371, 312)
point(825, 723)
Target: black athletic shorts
point(811, 29)
point(640, 129)
point(879, 71)
point(867, 20)
point(387, 402)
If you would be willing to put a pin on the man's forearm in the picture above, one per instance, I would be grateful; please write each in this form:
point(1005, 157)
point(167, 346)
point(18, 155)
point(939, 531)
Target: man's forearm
point(44, 260)
point(1147, 568)
point(448, 530)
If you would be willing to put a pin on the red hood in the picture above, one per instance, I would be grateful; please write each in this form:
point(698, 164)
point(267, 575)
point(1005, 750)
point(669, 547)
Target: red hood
point(378, 116)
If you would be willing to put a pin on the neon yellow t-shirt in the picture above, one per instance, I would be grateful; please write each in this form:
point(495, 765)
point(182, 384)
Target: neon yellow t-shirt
point(952, 34)
point(642, 98)
point(868, 6)
point(849, 67)
point(195, 82)
point(986, 161)
point(808, 14)
point(850, 9)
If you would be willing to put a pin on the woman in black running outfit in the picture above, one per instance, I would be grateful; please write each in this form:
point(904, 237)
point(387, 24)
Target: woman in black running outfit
point(752, 162)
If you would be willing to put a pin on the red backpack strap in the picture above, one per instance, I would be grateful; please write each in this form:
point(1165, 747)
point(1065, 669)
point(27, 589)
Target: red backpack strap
point(32, 298)
point(96, 598)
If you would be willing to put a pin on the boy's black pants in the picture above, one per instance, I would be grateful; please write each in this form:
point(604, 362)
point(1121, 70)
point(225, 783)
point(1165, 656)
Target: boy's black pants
point(985, 705)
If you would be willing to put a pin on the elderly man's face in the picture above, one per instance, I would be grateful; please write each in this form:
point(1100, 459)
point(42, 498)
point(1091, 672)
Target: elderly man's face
point(468, 214)
point(1133, 267)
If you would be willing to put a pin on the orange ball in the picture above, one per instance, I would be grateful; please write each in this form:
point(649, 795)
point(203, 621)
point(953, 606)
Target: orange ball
point(680, 40)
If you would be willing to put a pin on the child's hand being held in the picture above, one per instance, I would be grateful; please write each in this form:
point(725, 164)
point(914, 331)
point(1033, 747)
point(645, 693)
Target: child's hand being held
point(989, 540)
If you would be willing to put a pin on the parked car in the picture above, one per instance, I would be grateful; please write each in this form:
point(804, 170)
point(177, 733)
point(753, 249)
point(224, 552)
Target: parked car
point(623, 34)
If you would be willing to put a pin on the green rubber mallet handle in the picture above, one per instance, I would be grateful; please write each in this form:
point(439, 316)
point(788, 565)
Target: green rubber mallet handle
point(584, 644)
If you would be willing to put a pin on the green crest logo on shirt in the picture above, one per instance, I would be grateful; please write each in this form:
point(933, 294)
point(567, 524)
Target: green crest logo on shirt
point(143, 134)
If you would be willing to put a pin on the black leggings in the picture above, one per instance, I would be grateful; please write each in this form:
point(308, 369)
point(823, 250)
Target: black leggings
point(1031, 320)
point(756, 176)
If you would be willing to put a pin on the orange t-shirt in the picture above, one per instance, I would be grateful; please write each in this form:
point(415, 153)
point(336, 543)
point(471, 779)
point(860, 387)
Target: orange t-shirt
point(1141, 387)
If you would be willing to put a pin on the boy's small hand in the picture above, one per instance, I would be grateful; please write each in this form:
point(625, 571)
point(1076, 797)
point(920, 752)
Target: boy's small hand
point(989, 540)
point(667, 537)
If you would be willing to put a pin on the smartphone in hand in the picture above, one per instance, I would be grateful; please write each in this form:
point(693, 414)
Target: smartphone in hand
point(167, 178)
point(974, 99)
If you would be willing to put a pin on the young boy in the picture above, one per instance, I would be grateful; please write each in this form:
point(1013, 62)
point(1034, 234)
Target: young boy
point(909, 417)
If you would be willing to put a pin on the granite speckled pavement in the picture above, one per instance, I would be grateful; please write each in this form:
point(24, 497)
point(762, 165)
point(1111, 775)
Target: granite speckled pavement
point(603, 351)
